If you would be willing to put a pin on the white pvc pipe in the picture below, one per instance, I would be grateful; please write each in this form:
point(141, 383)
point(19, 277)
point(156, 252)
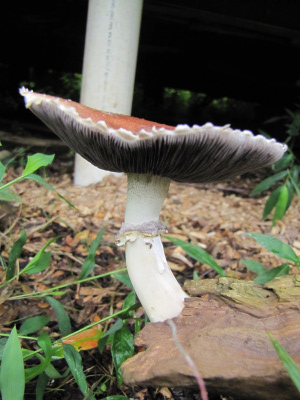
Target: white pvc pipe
point(110, 55)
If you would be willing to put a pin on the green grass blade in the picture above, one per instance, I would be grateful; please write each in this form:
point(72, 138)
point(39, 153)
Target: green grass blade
point(62, 316)
point(198, 254)
point(89, 263)
point(289, 364)
point(12, 376)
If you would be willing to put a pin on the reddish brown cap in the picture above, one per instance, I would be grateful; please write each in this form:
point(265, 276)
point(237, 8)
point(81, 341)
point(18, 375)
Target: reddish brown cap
point(121, 143)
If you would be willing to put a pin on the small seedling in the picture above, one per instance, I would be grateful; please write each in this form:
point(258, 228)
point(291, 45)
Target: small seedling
point(277, 247)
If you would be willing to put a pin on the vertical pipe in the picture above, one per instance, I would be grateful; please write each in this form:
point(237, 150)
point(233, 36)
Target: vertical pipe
point(109, 65)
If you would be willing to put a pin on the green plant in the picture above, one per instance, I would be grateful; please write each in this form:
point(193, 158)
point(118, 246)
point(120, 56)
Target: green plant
point(68, 347)
point(286, 173)
point(34, 162)
point(278, 248)
point(14, 375)
point(39, 262)
point(289, 364)
point(271, 243)
point(198, 254)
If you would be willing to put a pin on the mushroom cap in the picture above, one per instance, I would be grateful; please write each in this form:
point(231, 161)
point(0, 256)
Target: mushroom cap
point(121, 143)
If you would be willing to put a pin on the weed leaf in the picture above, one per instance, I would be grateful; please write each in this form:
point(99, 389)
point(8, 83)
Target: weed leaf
point(121, 349)
point(276, 246)
point(271, 202)
point(14, 254)
point(195, 276)
point(268, 182)
point(116, 327)
point(44, 342)
point(33, 324)
point(74, 361)
point(12, 375)
point(37, 161)
point(62, 316)
point(269, 275)
point(198, 254)
point(281, 204)
point(40, 264)
point(124, 278)
point(7, 195)
point(289, 364)
point(34, 265)
point(284, 162)
point(89, 263)
point(130, 300)
point(41, 385)
point(31, 266)
point(254, 266)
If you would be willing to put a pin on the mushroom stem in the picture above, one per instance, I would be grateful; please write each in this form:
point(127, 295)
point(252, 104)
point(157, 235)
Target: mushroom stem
point(156, 287)
point(145, 197)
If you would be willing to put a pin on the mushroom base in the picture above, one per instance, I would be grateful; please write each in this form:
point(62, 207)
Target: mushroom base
point(154, 283)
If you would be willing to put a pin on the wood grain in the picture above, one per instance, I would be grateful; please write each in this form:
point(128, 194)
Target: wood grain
point(223, 327)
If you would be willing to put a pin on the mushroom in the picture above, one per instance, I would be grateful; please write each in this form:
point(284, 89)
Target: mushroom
point(152, 155)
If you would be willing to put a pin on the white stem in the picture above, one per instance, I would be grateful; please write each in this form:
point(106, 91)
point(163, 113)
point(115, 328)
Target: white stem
point(145, 197)
point(154, 283)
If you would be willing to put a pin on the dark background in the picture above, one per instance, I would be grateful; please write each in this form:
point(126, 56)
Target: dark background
point(240, 59)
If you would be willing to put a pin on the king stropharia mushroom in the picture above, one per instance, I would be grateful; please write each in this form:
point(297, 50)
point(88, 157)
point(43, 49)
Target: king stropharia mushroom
point(152, 155)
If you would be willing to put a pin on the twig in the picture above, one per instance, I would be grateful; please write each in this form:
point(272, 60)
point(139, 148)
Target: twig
point(189, 361)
